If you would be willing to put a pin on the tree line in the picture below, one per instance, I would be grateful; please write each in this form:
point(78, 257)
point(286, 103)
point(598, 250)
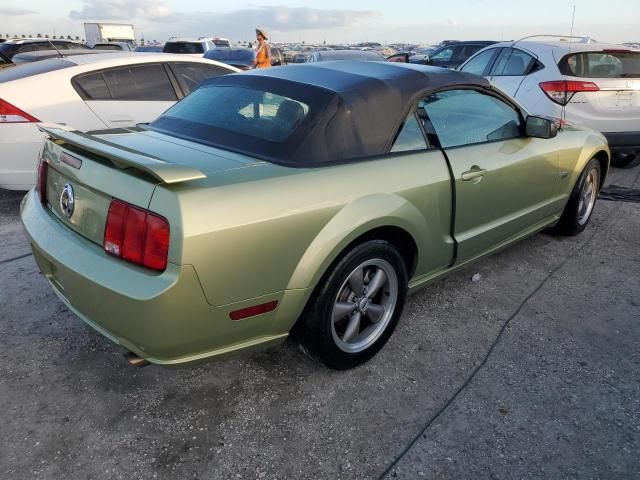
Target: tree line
point(8, 36)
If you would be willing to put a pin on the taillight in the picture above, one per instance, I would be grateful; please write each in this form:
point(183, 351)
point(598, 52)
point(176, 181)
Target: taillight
point(41, 182)
point(136, 235)
point(562, 91)
point(12, 114)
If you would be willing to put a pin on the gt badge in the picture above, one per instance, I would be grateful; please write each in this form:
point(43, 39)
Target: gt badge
point(67, 200)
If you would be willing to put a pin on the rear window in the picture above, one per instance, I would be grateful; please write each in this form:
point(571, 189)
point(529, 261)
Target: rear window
point(183, 47)
point(229, 55)
point(603, 64)
point(107, 47)
point(245, 111)
point(25, 70)
point(350, 55)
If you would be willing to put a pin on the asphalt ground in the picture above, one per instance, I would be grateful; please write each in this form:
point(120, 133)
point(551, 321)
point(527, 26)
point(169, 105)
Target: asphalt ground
point(531, 372)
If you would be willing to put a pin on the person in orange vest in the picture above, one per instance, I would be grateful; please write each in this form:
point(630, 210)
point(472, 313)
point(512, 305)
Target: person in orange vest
point(263, 52)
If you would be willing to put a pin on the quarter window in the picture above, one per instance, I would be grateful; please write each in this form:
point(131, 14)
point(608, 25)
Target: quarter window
point(93, 87)
point(191, 75)
point(410, 137)
point(467, 117)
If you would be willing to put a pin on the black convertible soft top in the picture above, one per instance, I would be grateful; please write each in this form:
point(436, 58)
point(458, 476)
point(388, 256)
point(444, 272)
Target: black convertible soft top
point(356, 109)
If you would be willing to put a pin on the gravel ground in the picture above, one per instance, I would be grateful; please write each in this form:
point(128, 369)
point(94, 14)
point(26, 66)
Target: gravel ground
point(557, 397)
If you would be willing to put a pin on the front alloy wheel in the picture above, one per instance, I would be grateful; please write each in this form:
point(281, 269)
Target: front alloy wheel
point(588, 195)
point(579, 208)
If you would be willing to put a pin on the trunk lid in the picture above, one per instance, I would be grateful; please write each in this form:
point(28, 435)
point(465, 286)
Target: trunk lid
point(89, 170)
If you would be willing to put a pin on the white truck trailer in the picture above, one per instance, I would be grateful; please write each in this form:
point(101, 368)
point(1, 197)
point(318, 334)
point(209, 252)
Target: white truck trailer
point(109, 32)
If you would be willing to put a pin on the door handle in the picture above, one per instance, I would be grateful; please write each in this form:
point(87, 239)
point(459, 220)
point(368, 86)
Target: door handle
point(475, 172)
point(121, 119)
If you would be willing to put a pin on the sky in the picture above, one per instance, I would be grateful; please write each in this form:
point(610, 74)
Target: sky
point(333, 21)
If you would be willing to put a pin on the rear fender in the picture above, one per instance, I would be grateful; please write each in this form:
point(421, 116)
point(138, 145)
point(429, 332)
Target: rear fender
point(352, 221)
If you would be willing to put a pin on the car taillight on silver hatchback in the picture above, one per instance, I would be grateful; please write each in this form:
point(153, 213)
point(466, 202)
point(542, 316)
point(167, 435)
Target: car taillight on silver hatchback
point(137, 235)
point(562, 91)
point(12, 114)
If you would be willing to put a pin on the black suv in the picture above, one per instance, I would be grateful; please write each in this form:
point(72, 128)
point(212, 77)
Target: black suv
point(452, 55)
point(17, 45)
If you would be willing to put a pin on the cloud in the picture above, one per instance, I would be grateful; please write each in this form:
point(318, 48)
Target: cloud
point(241, 22)
point(150, 10)
point(294, 18)
point(283, 21)
point(16, 11)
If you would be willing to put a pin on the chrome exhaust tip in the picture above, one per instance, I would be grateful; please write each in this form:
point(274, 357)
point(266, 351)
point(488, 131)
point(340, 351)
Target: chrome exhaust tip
point(134, 360)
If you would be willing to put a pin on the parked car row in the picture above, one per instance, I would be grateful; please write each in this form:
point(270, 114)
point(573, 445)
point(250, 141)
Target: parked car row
point(31, 50)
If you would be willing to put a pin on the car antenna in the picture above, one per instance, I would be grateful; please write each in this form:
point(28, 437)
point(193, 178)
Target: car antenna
point(563, 115)
point(54, 47)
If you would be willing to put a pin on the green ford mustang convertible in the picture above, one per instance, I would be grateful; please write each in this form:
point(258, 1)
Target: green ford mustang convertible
point(305, 200)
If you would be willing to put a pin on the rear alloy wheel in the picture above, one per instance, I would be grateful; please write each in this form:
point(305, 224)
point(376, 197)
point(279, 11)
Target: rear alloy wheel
point(364, 305)
point(356, 306)
point(579, 208)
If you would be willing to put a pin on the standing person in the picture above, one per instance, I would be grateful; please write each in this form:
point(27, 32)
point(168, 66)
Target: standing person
point(263, 52)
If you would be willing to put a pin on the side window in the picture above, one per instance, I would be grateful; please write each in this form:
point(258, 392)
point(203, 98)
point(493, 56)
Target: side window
point(443, 55)
point(410, 137)
point(140, 82)
point(513, 62)
point(191, 75)
point(467, 117)
point(478, 64)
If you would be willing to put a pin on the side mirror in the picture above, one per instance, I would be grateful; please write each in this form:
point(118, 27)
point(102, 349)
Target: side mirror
point(426, 60)
point(540, 127)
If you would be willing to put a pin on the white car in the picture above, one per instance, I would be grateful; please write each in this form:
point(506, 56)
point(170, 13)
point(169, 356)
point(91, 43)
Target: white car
point(87, 92)
point(188, 46)
point(596, 84)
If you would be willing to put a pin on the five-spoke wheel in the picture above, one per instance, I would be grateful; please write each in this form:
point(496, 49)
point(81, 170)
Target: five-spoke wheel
point(364, 305)
point(356, 305)
point(579, 208)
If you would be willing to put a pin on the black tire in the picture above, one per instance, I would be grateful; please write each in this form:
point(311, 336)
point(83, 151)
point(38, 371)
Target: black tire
point(316, 331)
point(625, 160)
point(572, 222)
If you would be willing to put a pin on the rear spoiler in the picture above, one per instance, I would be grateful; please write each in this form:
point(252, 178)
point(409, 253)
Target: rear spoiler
point(123, 157)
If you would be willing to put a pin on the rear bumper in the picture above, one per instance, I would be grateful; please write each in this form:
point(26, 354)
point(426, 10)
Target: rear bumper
point(620, 142)
point(163, 318)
